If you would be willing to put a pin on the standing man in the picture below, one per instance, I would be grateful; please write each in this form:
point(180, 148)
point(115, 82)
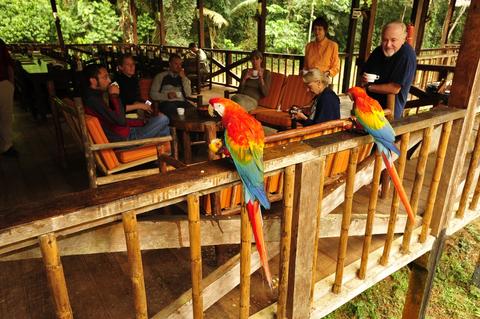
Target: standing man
point(394, 62)
point(101, 99)
point(6, 102)
point(322, 53)
point(172, 87)
point(127, 79)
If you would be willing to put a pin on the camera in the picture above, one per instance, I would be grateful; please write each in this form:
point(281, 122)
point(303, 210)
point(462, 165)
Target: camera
point(294, 110)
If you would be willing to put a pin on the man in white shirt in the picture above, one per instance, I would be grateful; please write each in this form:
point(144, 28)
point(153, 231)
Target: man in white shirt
point(171, 88)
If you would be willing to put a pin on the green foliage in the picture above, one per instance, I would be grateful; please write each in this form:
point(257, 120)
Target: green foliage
point(26, 21)
point(179, 16)
point(145, 28)
point(283, 32)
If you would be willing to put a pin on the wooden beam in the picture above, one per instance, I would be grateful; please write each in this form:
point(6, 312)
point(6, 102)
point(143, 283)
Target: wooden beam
point(160, 19)
point(368, 25)
point(447, 23)
point(418, 19)
point(58, 26)
point(303, 238)
point(352, 27)
point(195, 254)
point(201, 24)
point(261, 18)
point(133, 13)
point(245, 261)
point(464, 94)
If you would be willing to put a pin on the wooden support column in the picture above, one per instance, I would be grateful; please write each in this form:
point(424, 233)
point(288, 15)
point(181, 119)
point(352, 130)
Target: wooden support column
point(286, 237)
point(352, 26)
point(55, 275)
point(133, 14)
point(464, 94)
point(307, 180)
point(134, 253)
point(447, 23)
point(368, 25)
point(418, 19)
point(261, 18)
point(160, 22)
point(195, 254)
point(201, 30)
point(58, 26)
point(245, 260)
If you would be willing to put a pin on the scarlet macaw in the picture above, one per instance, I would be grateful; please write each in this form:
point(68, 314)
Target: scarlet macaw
point(371, 116)
point(244, 142)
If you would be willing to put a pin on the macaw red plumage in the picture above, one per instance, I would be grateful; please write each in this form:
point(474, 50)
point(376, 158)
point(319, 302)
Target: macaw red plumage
point(370, 115)
point(244, 141)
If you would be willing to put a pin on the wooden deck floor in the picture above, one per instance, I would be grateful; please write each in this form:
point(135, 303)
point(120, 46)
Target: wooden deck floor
point(98, 284)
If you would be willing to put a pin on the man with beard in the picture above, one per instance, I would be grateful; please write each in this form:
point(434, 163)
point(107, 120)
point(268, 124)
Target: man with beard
point(390, 69)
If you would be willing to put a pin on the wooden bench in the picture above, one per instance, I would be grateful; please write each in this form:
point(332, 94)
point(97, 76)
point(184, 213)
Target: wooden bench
point(335, 166)
point(112, 159)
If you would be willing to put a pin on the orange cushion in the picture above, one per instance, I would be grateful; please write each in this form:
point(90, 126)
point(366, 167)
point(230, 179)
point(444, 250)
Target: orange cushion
point(134, 154)
point(145, 85)
point(274, 117)
point(271, 100)
point(295, 93)
point(98, 136)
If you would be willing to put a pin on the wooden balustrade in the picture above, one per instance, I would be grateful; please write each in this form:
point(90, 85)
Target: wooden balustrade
point(303, 167)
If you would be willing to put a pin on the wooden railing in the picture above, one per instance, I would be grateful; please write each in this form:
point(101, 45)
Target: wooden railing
point(303, 166)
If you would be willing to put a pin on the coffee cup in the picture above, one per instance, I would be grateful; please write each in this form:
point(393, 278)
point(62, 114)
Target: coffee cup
point(255, 73)
point(371, 77)
point(179, 94)
point(181, 111)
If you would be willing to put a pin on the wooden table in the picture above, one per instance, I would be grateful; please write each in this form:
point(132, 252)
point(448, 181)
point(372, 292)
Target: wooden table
point(196, 122)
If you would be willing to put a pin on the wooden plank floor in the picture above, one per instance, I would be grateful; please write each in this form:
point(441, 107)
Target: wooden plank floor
point(98, 284)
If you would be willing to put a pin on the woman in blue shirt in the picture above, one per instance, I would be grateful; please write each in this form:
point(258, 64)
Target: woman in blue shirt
point(326, 104)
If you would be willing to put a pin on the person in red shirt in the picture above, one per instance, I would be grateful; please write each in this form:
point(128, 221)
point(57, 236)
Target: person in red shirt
point(6, 102)
point(101, 99)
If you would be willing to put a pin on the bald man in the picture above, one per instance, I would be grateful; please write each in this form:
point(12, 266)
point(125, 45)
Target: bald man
point(394, 62)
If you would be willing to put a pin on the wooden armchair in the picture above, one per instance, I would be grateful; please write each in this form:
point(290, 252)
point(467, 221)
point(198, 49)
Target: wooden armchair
point(294, 92)
point(113, 159)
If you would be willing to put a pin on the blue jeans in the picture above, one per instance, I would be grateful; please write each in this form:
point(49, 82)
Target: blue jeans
point(155, 127)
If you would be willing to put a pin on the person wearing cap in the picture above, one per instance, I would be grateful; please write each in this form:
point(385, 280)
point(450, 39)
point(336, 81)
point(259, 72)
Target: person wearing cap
point(254, 83)
point(322, 53)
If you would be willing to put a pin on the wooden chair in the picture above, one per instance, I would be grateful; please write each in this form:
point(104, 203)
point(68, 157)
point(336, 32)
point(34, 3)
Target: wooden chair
point(294, 92)
point(199, 75)
point(229, 200)
point(113, 159)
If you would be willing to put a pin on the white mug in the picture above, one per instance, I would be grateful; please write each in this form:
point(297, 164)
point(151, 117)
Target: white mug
point(181, 111)
point(179, 94)
point(371, 77)
point(255, 73)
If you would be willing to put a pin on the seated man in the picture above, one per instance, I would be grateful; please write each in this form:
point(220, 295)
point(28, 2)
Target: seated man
point(326, 104)
point(193, 52)
point(170, 88)
point(102, 101)
point(393, 63)
point(129, 86)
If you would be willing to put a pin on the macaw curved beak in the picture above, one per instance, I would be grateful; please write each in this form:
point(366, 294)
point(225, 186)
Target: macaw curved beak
point(211, 111)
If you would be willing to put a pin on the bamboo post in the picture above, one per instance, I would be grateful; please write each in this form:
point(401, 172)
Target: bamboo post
point(470, 177)
point(417, 187)
point(285, 242)
point(55, 276)
point(245, 254)
point(195, 254)
point(395, 201)
point(372, 205)
point(134, 253)
point(347, 215)
point(437, 172)
point(476, 197)
point(317, 230)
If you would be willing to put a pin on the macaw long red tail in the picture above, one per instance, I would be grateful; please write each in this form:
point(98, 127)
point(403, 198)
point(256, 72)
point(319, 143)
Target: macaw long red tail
point(255, 217)
point(398, 186)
